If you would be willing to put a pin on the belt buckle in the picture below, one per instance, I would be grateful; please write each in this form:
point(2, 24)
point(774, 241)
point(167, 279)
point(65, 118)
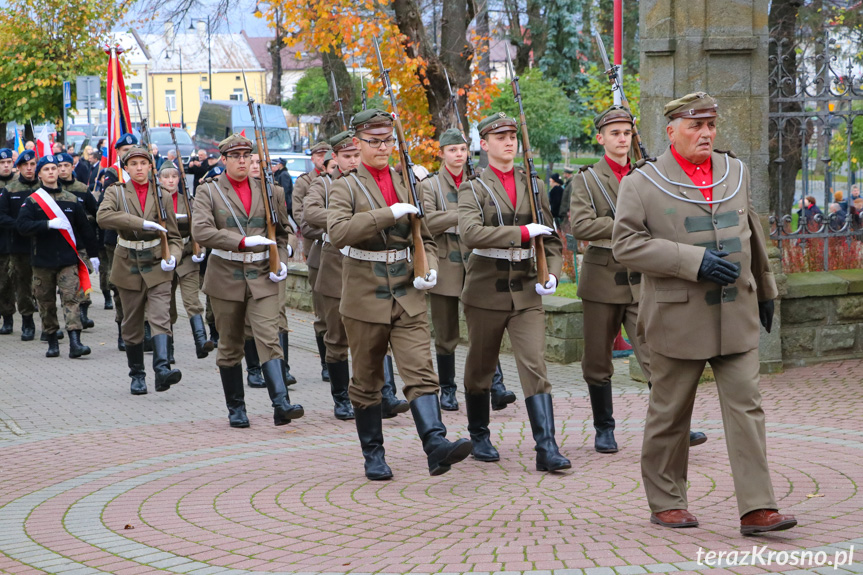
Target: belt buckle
point(391, 256)
point(515, 254)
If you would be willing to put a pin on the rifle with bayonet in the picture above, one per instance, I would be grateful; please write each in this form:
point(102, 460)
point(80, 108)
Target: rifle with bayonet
point(532, 176)
point(454, 100)
point(196, 249)
point(363, 91)
point(268, 183)
point(421, 266)
point(161, 214)
point(613, 73)
point(338, 101)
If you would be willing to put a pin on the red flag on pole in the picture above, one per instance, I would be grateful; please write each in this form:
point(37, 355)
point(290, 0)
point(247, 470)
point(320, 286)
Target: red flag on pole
point(118, 107)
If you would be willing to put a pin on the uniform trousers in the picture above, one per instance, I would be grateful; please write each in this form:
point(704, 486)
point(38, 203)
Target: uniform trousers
point(320, 325)
point(104, 271)
point(7, 287)
point(263, 319)
point(46, 283)
point(526, 329)
point(408, 337)
point(150, 303)
point(335, 337)
point(21, 276)
point(604, 321)
point(118, 302)
point(283, 309)
point(189, 292)
point(444, 315)
point(665, 448)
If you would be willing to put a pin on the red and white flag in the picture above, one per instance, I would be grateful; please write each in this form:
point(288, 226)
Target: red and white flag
point(118, 106)
point(43, 143)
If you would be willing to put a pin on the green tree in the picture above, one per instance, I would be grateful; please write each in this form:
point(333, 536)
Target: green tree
point(598, 97)
point(311, 96)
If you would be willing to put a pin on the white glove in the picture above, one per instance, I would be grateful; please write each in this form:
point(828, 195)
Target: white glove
point(401, 210)
point(538, 230)
point(168, 266)
point(252, 241)
point(290, 251)
point(550, 286)
point(95, 263)
point(198, 258)
point(282, 274)
point(148, 225)
point(59, 224)
point(428, 282)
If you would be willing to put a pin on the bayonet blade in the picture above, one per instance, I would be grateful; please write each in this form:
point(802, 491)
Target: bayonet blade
point(335, 90)
point(448, 85)
point(378, 54)
point(246, 85)
point(602, 53)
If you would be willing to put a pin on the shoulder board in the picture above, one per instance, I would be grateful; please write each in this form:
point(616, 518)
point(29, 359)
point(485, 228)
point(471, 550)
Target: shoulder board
point(728, 152)
point(207, 181)
point(475, 176)
point(305, 175)
point(585, 167)
point(640, 163)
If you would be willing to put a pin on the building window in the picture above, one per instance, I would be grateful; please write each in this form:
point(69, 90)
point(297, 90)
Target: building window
point(237, 78)
point(170, 79)
point(206, 93)
point(237, 95)
point(136, 90)
point(203, 78)
point(171, 100)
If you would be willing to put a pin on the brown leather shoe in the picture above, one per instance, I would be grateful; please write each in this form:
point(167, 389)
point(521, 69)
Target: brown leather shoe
point(763, 520)
point(674, 518)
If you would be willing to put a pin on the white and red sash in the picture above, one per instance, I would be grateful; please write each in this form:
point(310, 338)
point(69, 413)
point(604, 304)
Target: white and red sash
point(52, 210)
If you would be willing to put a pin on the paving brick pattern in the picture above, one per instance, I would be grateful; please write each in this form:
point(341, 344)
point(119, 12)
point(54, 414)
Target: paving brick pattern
point(94, 480)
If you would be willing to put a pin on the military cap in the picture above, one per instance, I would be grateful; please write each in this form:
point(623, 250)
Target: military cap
point(343, 141)
point(568, 170)
point(321, 146)
point(696, 105)
point(25, 156)
point(371, 118)
point(452, 137)
point(45, 160)
point(126, 140)
point(233, 143)
point(5, 154)
point(611, 115)
point(135, 152)
point(328, 156)
point(65, 158)
point(497, 123)
point(168, 166)
point(216, 171)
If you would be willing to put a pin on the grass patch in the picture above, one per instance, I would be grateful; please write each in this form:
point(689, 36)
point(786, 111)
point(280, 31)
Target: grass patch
point(567, 290)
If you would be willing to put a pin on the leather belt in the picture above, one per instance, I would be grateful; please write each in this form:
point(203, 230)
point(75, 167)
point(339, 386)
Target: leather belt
point(512, 254)
point(389, 256)
point(601, 244)
point(246, 257)
point(138, 246)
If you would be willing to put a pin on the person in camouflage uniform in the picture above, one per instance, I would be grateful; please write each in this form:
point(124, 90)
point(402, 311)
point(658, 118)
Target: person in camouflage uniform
point(7, 289)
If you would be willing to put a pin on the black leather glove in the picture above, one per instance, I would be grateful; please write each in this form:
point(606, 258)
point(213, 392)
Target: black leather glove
point(717, 270)
point(765, 313)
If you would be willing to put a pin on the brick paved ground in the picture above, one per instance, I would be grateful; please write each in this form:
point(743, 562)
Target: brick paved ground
point(94, 480)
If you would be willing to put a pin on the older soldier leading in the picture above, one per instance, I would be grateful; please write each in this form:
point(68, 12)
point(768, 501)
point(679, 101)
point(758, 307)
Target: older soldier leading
point(686, 222)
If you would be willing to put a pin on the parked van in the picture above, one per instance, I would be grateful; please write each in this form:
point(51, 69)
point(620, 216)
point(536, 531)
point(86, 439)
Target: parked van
point(218, 119)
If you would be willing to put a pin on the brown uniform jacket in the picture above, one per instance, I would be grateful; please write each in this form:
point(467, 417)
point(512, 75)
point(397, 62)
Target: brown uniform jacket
point(121, 211)
point(214, 226)
point(329, 280)
point(301, 188)
point(496, 283)
point(184, 224)
point(664, 238)
point(440, 199)
point(367, 223)
point(603, 279)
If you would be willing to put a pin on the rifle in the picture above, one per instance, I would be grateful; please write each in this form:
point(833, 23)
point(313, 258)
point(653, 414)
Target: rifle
point(469, 164)
point(363, 91)
point(410, 180)
point(161, 214)
point(613, 73)
point(268, 182)
point(533, 177)
point(196, 249)
point(338, 101)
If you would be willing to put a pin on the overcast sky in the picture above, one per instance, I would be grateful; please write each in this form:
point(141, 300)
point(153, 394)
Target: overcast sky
point(240, 18)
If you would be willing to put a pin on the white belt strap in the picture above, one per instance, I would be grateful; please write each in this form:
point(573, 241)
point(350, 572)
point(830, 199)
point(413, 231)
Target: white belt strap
point(246, 257)
point(389, 256)
point(601, 244)
point(512, 254)
point(186, 240)
point(452, 230)
point(326, 238)
point(137, 246)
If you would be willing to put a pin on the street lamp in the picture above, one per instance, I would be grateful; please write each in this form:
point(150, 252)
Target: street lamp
point(168, 57)
point(209, 50)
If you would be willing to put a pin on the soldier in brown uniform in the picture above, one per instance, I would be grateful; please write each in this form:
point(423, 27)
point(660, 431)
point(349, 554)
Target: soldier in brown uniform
point(142, 277)
point(230, 218)
point(501, 291)
point(312, 245)
point(609, 292)
point(383, 304)
point(686, 222)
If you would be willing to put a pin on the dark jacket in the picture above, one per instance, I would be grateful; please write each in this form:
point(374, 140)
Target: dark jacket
point(17, 191)
point(283, 179)
point(49, 249)
point(555, 196)
point(82, 172)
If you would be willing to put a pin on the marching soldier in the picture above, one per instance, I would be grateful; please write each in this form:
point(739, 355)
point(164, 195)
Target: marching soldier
point(7, 288)
point(312, 246)
point(230, 218)
point(382, 303)
point(502, 292)
point(686, 222)
point(142, 277)
point(609, 292)
point(20, 274)
point(58, 230)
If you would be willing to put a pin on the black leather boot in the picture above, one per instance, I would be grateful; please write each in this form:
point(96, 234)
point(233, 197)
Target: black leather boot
point(83, 309)
point(477, 425)
point(695, 437)
point(601, 404)
point(446, 374)
point(322, 350)
point(203, 346)
point(8, 324)
point(53, 345)
point(121, 345)
point(541, 415)
point(441, 452)
point(28, 328)
point(500, 395)
point(371, 434)
point(340, 377)
point(283, 341)
point(253, 365)
point(148, 338)
point(283, 411)
point(214, 335)
point(135, 358)
point(171, 360)
point(390, 404)
point(76, 348)
point(232, 385)
point(165, 376)
point(109, 300)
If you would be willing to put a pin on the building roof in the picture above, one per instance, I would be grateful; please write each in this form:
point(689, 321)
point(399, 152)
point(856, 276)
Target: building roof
point(229, 52)
point(293, 57)
point(134, 51)
point(497, 50)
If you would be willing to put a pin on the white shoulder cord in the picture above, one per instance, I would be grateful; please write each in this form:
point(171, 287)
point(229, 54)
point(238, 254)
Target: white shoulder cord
point(230, 207)
point(493, 199)
point(604, 192)
point(440, 193)
point(368, 198)
point(687, 200)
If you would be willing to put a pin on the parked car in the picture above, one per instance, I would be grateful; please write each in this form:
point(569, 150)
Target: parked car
point(219, 119)
point(296, 164)
point(75, 140)
point(162, 138)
